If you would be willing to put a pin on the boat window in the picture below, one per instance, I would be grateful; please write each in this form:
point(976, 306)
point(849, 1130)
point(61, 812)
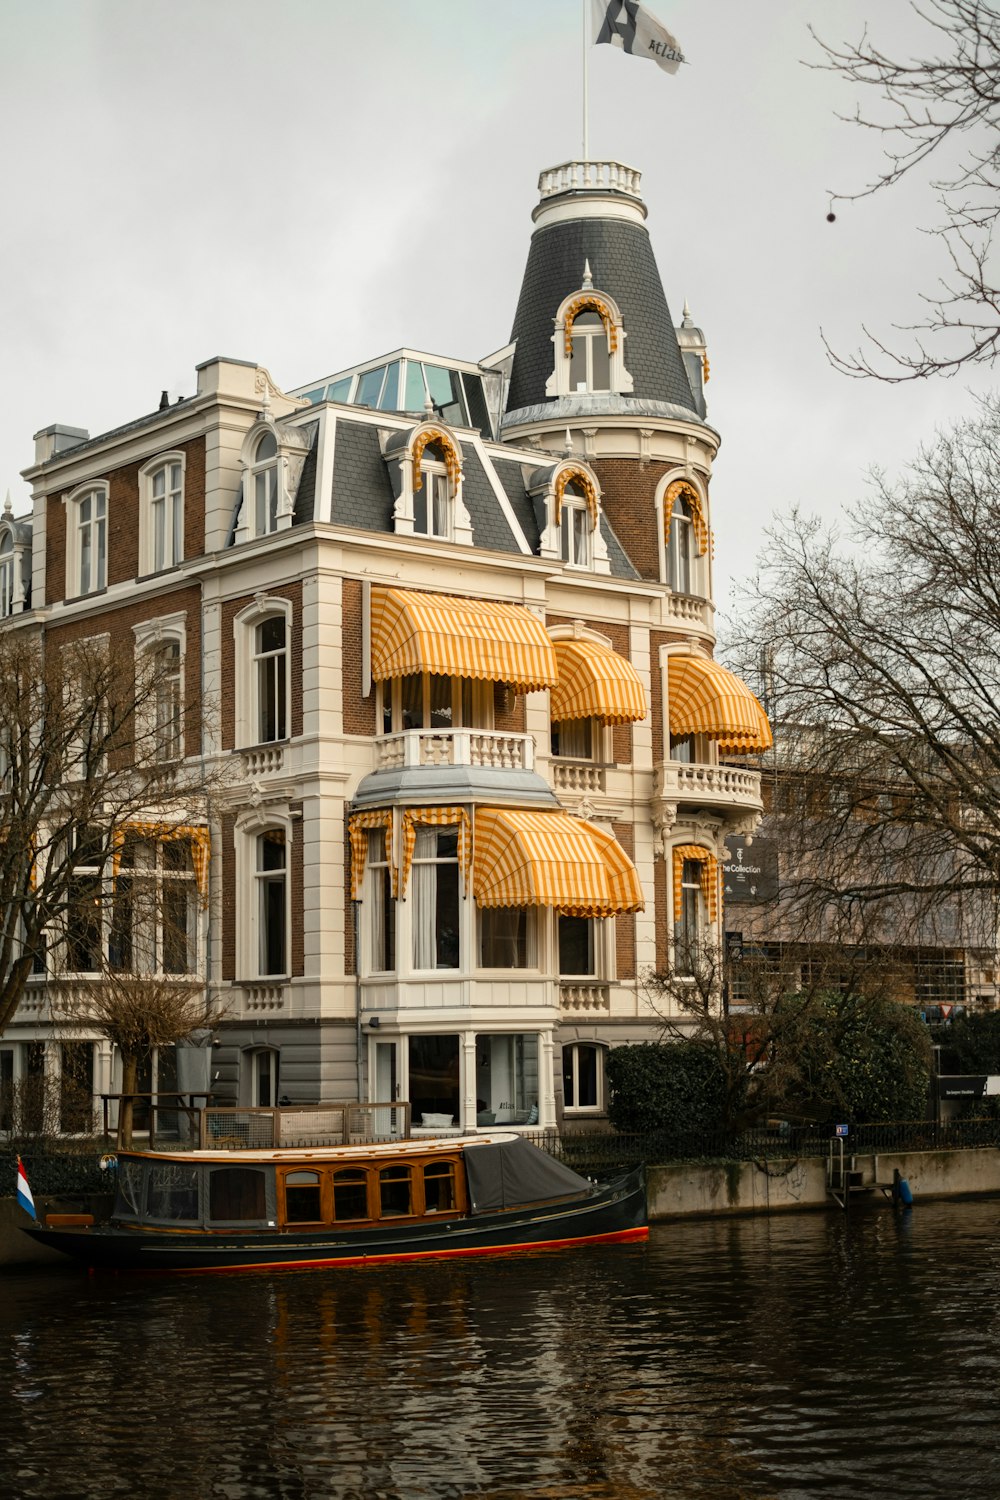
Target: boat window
point(172, 1191)
point(302, 1198)
point(395, 1191)
point(439, 1187)
point(350, 1194)
point(236, 1194)
point(129, 1199)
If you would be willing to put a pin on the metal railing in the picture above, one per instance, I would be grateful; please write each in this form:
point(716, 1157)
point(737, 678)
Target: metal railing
point(347, 1123)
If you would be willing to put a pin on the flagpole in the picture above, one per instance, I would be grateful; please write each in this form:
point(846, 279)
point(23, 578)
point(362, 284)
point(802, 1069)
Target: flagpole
point(586, 85)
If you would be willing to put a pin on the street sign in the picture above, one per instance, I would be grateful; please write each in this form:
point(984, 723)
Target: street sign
point(841, 1129)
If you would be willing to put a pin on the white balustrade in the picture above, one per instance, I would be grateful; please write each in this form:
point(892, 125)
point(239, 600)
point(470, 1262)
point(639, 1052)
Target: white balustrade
point(264, 996)
point(581, 176)
point(456, 747)
point(577, 776)
point(686, 609)
point(703, 783)
point(585, 997)
point(264, 759)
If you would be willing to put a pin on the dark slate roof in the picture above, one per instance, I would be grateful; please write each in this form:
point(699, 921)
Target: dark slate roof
point(304, 506)
point(490, 527)
point(617, 558)
point(510, 475)
point(623, 265)
point(362, 491)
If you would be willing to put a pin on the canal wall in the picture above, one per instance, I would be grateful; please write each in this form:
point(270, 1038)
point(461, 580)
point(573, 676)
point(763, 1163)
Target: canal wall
point(693, 1190)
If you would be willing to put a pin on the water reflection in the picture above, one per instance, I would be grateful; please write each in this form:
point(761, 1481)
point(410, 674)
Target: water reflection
point(740, 1360)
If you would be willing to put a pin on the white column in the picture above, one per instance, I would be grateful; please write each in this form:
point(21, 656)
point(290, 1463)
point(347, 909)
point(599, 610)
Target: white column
point(468, 1119)
point(546, 1082)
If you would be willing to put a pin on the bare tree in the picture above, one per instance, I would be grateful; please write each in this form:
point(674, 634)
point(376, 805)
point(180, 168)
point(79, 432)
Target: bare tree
point(91, 745)
point(882, 656)
point(941, 111)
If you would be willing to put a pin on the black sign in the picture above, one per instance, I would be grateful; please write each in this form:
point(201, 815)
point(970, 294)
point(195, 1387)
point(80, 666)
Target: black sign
point(750, 871)
point(961, 1086)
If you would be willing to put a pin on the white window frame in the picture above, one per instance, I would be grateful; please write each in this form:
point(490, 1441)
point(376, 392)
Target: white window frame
point(8, 571)
point(79, 584)
point(173, 507)
point(602, 931)
point(575, 532)
point(434, 471)
point(251, 1063)
point(152, 636)
point(551, 543)
point(426, 863)
point(100, 876)
point(559, 382)
point(377, 885)
point(436, 499)
point(247, 678)
point(531, 935)
point(685, 945)
point(250, 879)
point(571, 1054)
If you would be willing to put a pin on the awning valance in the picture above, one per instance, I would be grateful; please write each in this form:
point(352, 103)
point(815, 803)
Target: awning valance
point(200, 840)
point(595, 682)
point(550, 859)
point(415, 632)
point(705, 698)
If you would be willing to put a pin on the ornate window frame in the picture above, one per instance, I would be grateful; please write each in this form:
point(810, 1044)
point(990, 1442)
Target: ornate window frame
point(163, 462)
point(292, 445)
point(587, 299)
point(15, 564)
point(410, 481)
point(682, 481)
point(547, 488)
point(247, 693)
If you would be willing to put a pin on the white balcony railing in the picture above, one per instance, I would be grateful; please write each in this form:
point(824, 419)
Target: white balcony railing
point(577, 776)
point(579, 176)
point(590, 998)
point(262, 760)
point(687, 609)
point(456, 747)
point(727, 786)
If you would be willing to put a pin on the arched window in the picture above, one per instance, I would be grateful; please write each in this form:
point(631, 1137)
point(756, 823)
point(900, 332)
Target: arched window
point(271, 880)
point(6, 574)
point(433, 506)
point(87, 541)
point(590, 358)
point(680, 546)
point(264, 485)
point(270, 679)
point(261, 1078)
point(161, 513)
point(575, 527)
point(583, 1076)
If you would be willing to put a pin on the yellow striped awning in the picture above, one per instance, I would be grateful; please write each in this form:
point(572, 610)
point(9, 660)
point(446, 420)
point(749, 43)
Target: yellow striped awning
point(550, 859)
point(705, 698)
point(415, 632)
point(200, 840)
point(595, 682)
point(358, 829)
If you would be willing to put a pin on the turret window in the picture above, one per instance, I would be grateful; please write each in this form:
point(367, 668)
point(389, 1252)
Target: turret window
point(6, 574)
point(590, 360)
point(680, 547)
point(575, 528)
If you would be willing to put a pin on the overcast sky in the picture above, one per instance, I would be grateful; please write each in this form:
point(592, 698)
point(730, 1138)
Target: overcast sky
point(311, 183)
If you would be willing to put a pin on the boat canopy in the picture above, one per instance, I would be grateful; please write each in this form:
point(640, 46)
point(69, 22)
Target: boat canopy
point(511, 1174)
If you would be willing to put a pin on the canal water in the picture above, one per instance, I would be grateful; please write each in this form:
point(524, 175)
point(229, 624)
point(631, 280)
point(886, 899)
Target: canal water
point(800, 1356)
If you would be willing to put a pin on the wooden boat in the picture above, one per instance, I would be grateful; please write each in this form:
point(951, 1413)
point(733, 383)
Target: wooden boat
point(212, 1210)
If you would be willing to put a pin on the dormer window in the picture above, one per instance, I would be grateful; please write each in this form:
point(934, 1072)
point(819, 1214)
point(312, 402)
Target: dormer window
point(589, 346)
point(428, 484)
point(575, 527)
point(590, 357)
point(264, 485)
point(432, 502)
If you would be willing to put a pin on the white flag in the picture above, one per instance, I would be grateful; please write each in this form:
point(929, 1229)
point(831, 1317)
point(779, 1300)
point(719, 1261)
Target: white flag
point(629, 25)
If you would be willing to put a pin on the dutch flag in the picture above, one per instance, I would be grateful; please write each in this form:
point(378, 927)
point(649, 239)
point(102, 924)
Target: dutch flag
point(24, 1197)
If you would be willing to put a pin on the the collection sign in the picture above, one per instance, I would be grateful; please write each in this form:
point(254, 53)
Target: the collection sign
point(750, 871)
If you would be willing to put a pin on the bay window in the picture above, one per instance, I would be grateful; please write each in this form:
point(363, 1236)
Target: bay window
point(436, 898)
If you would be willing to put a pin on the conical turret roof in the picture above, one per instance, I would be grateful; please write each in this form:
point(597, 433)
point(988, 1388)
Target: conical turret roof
point(590, 213)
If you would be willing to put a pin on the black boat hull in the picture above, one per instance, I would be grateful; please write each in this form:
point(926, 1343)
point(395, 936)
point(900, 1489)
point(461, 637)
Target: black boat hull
point(615, 1213)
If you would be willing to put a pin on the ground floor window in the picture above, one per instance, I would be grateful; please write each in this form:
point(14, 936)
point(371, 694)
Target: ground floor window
point(76, 1088)
point(583, 1076)
point(507, 1079)
point(434, 1077)
point(261, 1077)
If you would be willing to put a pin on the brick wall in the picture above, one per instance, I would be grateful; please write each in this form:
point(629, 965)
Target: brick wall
point(359, 713)
point(628, 488)
point(663, 917)
point(230, 609)
point(123, 520)
point(117, 623)
point(657, 638)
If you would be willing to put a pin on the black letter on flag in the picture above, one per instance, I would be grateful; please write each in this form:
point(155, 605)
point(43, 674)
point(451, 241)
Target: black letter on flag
point(625, 28)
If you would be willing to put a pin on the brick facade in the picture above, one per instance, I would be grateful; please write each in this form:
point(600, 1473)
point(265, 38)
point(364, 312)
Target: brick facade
point(359, 712)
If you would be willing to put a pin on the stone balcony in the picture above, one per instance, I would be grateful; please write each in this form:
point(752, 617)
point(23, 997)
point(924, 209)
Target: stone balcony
point(723, 787)
point(688, 611)
point(456, 747)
